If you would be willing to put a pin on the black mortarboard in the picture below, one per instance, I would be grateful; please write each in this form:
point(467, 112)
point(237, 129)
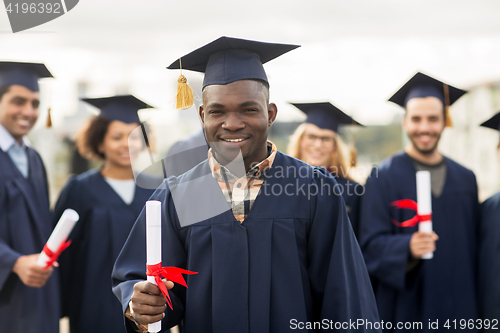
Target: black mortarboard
point(325, 115)
point(421, 85)
point(123, 108)
point(25, 74)
point(493, 122)
point(227, 60)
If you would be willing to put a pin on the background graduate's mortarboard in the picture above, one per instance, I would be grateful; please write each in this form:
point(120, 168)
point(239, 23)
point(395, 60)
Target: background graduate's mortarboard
point(228, 59)
point(325, 115)
point(25, 74)
point(421, 85)
point(122, 107)
point(493, 122)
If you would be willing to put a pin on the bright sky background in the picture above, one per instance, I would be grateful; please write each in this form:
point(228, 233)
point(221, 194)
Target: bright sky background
point(354, 53)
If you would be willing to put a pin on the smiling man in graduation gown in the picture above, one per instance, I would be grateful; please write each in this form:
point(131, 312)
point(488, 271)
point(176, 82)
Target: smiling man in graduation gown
point(410, 289)
point(29, 294)
point(489, 248)
point(273, 251)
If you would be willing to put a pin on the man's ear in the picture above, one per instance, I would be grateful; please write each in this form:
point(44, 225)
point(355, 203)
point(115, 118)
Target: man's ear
point(201, 114)
point(403, 121)
point(272, 112)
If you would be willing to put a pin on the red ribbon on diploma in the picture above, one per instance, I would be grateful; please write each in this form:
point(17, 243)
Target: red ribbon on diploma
point(409, 204)
point(173, 274)
point(53, 256)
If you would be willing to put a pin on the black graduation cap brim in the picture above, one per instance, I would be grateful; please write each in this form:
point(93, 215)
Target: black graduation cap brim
point(228, 59)
point(325, 115)
point(25, 74)
point(425, 83)
point(122, 107)
point(493, 122)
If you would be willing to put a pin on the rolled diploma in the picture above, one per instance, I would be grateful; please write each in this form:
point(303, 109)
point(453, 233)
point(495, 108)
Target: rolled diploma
point(153, 244)
point(424, 201)
point(59, 234)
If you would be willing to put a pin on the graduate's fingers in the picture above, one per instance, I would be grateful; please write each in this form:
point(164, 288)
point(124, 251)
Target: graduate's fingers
point(424, 248)
point(147, 308)
point(147, 288)
point(148, 299)
point(148, 319)
point(422, 243)
point(148, 294)
point(169, 284)
point(38, 276)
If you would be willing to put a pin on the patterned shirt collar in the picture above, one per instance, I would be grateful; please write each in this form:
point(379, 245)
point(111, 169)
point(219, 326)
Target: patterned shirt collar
point(258, 171)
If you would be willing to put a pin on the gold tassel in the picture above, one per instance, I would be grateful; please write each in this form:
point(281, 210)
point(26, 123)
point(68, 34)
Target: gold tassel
point(354, 159)
point(48, 124)
point(449, 123)
point(354, 151)
point(185, 98)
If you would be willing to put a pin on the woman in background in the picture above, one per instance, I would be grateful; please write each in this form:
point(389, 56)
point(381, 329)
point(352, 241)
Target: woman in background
point(317, 143)
point(108, 202)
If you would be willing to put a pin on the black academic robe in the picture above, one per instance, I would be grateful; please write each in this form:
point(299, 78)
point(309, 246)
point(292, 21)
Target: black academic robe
point(293, 260)
point(442, 288)
point(352, 193)
point(104, 224)
point(489, 259)
point(25, 226)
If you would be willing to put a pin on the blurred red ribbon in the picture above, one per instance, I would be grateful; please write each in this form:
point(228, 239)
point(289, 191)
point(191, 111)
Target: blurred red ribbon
point(173, 274)
point(53, 256)
point(409, 204)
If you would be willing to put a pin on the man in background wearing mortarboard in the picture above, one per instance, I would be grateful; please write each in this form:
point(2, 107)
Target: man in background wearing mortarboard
point(408, 288)
point(489, 248)
point(277, 256)
point(29, 295)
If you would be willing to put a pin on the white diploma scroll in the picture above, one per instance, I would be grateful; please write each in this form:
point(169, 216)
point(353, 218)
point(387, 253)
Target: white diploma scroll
point(59, 235)
point(424, 201)
point(153, 244)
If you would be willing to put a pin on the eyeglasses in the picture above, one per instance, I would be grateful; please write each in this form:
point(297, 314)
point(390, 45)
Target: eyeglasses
point(325, 140)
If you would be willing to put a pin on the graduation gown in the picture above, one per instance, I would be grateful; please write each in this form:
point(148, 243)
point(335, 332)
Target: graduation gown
point(489, 259)
point(25, 226)
point(293, 259)
point(441, 288)
point(104, 224)
point(351, 193)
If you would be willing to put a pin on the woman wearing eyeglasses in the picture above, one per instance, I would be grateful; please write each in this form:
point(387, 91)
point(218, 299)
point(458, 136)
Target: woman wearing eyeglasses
point(317, 143)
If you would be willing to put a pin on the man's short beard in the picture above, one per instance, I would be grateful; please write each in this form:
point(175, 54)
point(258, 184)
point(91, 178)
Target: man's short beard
point(427, 151)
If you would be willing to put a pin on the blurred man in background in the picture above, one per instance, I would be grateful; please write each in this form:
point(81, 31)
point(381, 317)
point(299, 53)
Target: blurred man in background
point(408, 288)
point(29, 294)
